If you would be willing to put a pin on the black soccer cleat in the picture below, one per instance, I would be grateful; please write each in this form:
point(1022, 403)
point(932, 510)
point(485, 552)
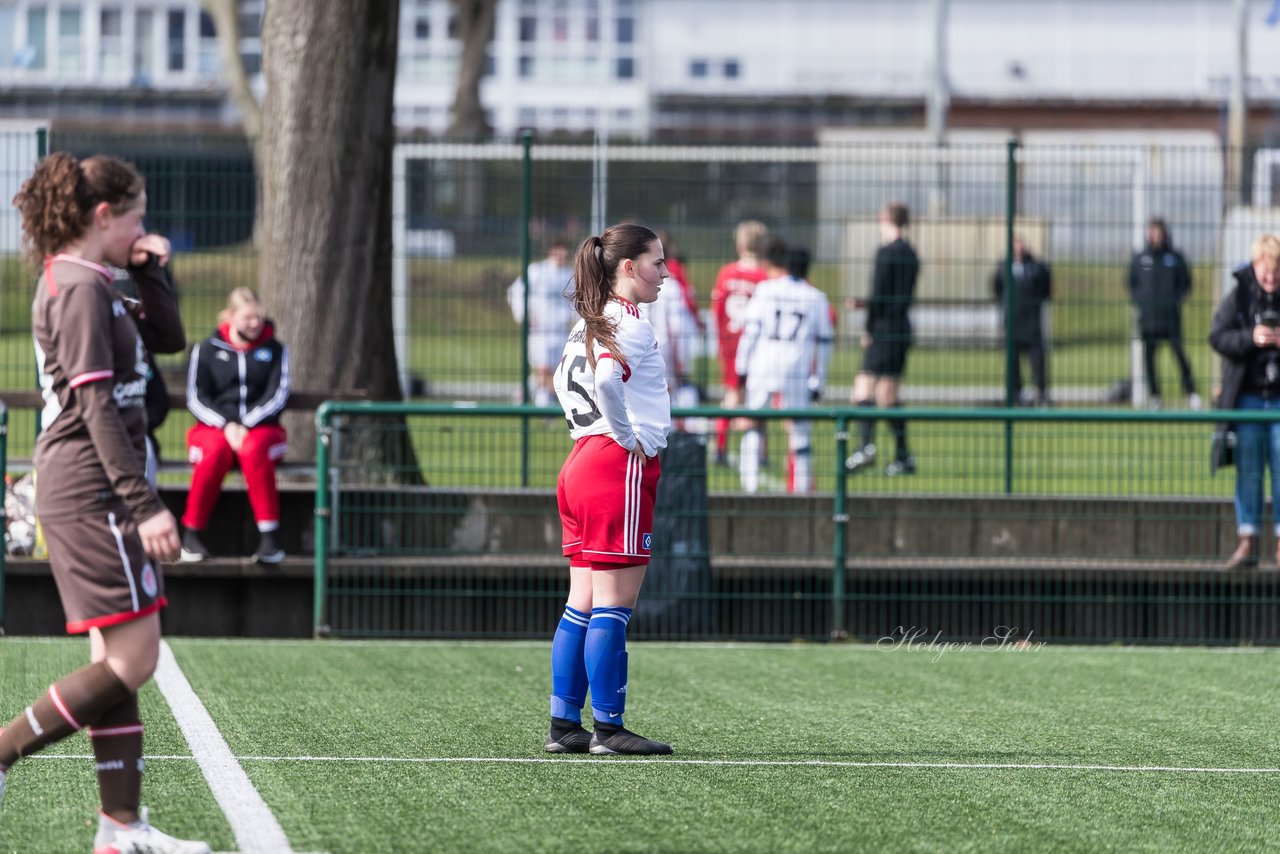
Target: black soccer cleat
point(624, 741)
point(269, 552)
point(567, 737)
point(903, 465)
point(861, 459)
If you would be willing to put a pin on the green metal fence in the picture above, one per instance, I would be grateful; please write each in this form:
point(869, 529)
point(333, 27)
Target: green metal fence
point(1075, 525)
point(468, 217)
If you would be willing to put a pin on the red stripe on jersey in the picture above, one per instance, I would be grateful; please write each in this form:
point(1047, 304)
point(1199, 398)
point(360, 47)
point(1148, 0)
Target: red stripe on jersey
point(626, 369)
point(628, 305)
point(89, 377)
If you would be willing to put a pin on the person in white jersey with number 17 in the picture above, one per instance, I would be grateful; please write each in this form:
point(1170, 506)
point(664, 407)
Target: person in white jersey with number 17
point(612, 385)
point(782, 358)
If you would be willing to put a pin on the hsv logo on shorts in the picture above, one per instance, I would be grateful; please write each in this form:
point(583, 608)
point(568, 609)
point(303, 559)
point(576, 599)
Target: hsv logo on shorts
point(648, 541)
point(149, 585)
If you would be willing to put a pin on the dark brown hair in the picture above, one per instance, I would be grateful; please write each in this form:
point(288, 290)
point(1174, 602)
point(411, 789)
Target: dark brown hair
point(896, 213)
point(57, 202)
point(595, 269)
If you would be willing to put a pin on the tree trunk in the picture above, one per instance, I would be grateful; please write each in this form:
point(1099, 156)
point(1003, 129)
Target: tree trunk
point(475, 19)
point(325, 264)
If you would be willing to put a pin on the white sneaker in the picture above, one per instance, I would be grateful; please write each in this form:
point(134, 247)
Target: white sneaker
point(140, 838)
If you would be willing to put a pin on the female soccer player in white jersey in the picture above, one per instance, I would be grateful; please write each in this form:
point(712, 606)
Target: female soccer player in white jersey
point(612, 385)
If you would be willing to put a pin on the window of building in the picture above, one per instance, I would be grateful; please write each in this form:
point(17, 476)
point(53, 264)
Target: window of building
point(697, 68)
point(528, 28)
point(111, 40)
point(69, 60)
point(732, 69)
point(626, 30)
point(207, 52)
point(143, 47)
point(625, 68)
point(560, 28)
point(177, 41)
point(526, 66)
point(8, 16)
point(452, 27)
point(422, 28)
point(592, 31)
point(35, 54)
point(251, 20)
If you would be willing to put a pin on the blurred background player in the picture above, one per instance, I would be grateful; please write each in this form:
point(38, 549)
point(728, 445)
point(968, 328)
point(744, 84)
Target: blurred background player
point(612, 385)
point(1033, 286)
point(550, 315)
point(782, 359)
point(106, 528)
point(735, 283)
point(237, 388)
point(886, 340)
point(679, 329)
point(1159, 283)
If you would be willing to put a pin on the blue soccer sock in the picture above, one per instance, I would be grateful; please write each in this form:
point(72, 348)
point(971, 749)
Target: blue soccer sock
point(568, 666)
point(606, 656)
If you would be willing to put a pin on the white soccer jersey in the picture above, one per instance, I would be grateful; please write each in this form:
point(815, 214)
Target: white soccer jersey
point(787, 336)
point(549, 306)
point(644, 382)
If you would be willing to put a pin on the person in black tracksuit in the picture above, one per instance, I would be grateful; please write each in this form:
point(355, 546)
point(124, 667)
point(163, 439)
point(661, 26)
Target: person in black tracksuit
point(886, 340)
point(1246, 333)
point(237, 387)
point(1033, 288)
point(1159, 283)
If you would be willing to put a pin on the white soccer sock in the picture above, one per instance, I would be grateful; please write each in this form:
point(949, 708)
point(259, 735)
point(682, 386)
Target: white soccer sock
point(749, 461)
point(801, 471)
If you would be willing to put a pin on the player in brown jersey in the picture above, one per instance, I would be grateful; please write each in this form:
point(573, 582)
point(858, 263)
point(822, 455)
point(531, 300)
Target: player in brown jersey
point(105, 526)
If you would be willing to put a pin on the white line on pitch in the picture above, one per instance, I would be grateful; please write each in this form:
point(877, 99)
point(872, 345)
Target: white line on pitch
point(619, 762)
point(252, 822)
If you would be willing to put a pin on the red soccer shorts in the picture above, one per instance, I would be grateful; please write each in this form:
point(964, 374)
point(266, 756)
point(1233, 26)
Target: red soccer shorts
point(606, 500)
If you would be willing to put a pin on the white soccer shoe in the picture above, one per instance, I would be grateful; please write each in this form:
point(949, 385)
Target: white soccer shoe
point(140, 838)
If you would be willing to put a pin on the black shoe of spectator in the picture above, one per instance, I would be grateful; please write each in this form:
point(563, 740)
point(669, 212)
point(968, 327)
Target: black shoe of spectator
point(193, 551)
point(905, 465)
point(269, 551)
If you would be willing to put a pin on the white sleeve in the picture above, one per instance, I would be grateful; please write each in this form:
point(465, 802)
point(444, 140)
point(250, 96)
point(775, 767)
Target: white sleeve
point(826, 336)
point(612, 400)
point(750, 335)
point(515, 298)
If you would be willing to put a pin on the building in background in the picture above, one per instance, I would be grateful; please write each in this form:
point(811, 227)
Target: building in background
point(724, 70)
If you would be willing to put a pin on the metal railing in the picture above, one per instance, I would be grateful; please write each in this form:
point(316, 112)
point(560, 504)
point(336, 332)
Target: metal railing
point(1092, 524)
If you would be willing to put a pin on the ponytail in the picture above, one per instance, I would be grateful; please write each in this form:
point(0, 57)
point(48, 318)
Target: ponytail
point(595, 269)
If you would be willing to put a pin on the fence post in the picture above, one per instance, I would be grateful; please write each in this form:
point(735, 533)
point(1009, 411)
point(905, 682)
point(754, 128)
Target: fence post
point(4, 467)
point(1010, 305)
point(526, 214)
point(840, 516)
point(324, 435)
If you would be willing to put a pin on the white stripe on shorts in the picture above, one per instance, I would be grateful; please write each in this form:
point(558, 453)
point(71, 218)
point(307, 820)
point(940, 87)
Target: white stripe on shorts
point(124, 559)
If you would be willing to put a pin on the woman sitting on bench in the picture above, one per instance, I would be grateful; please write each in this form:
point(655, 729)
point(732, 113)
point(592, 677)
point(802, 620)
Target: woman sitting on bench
point(237, 387)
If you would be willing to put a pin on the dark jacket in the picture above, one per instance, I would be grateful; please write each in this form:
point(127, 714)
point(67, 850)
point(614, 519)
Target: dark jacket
point(249, 386)
point(893, 287)
point(1231, 336)
point(1034, 288)
point(1159, 282)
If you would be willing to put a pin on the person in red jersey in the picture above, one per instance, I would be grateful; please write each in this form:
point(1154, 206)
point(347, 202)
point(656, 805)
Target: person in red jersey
point(735, 283)
point(105, 526)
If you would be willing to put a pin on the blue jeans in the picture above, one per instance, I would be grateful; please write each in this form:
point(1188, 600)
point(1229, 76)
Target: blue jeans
point(1257, 449)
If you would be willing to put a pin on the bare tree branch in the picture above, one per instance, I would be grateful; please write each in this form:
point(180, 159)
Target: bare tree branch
point(475, 20)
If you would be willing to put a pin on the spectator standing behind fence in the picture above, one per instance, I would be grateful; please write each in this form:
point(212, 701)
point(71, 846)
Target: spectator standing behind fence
point(103, 523)
point(1032, 289)
point(782, 359)
point(675, 320)
point(886, 340)
point(1246, 332)
point(550, 315)
point(237, 388)
point(1159, 282)
point(735, 283)
point(612, 385)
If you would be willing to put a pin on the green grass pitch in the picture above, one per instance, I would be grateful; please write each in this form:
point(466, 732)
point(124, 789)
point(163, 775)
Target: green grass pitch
point(407, 747)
